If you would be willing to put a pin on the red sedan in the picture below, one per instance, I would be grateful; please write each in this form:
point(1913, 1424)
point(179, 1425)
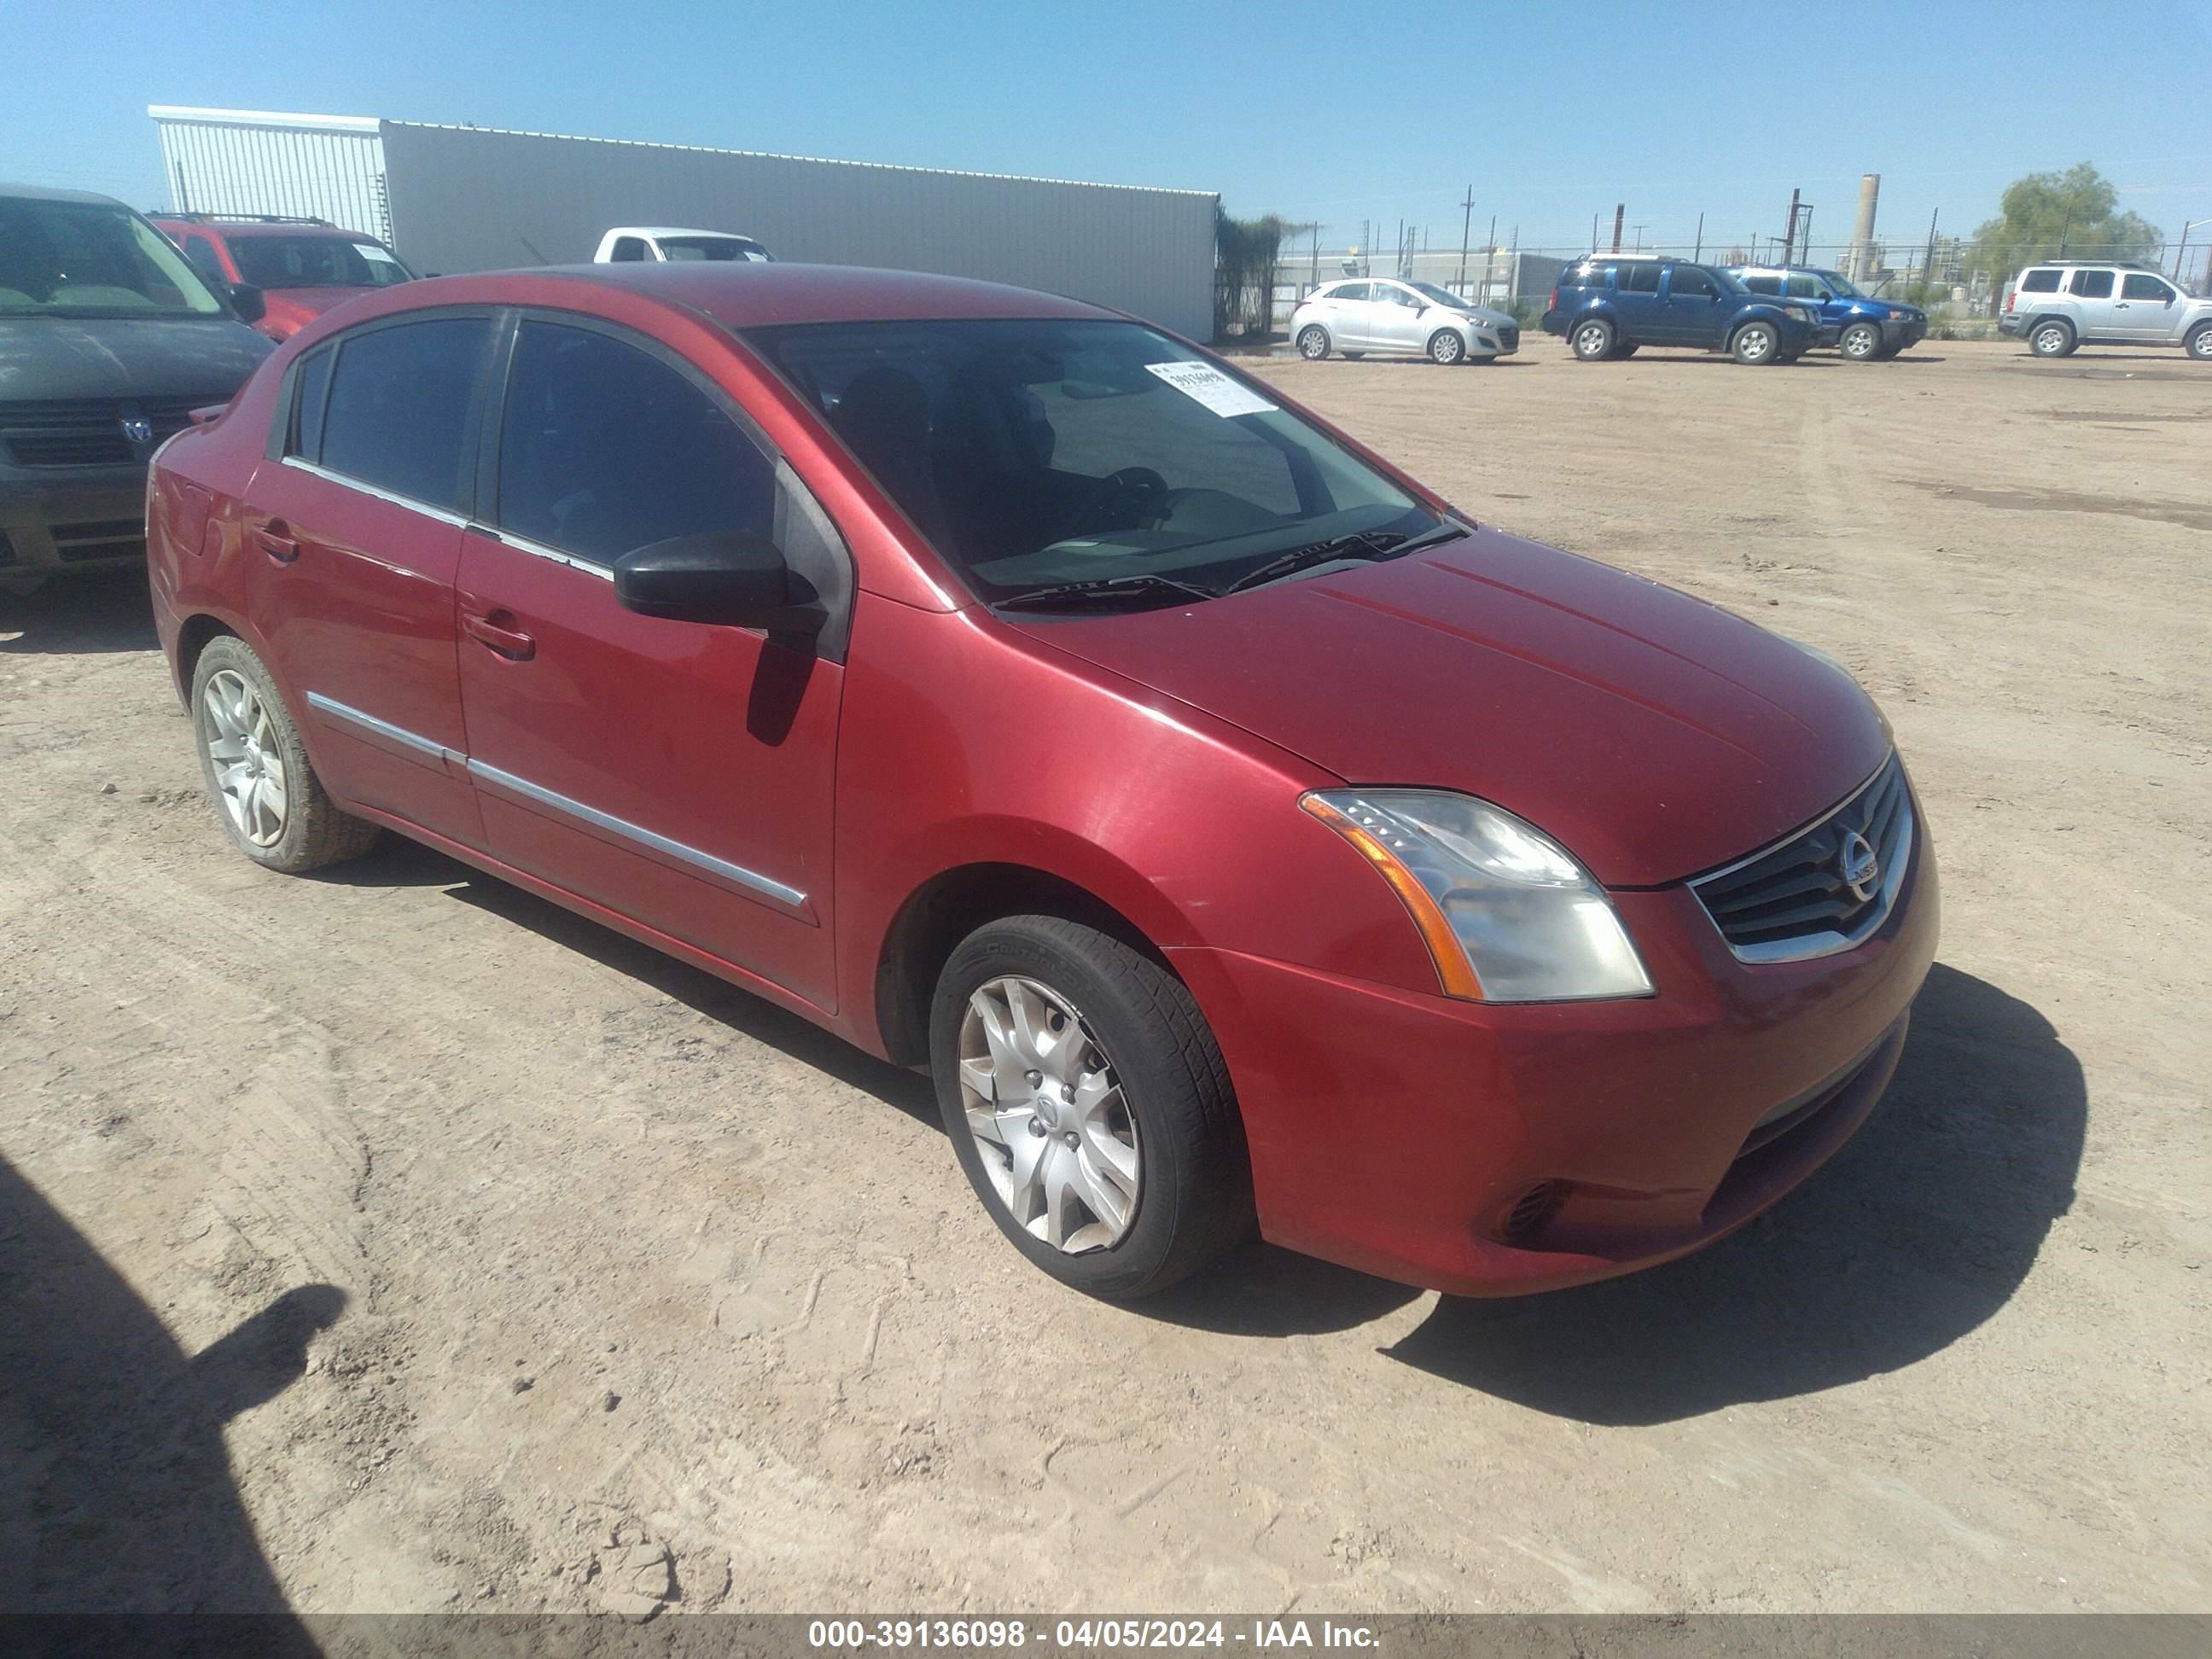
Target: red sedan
point(1234, 829)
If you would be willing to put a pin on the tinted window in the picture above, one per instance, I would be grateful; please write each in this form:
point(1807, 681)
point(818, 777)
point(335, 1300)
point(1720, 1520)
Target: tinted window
point(605, 449)
point(2092, 284)
point(314, 383)
point(2040, 281)
point(2145, 288)
point(201, 252)
point(1590, 276)
point(398, 411)
point(1349, 291)
point(1807, 288)
point(1692, 283)
point(315, 262)
point(1770, 286)
point(76, 258)
point(627, 249)
point(1642, 278)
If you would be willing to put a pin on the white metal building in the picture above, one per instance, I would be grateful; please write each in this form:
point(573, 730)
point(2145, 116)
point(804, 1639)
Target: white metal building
point(453, 198)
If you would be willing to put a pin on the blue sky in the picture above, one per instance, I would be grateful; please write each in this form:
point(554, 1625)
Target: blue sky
point(1337, 112)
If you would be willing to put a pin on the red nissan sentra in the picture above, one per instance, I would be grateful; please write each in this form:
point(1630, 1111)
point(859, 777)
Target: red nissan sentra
point(1234, 828)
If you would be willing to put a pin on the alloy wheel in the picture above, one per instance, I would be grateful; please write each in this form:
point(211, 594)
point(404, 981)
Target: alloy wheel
point(1045, 1105)
point(2051, 339)
point(1860, 342)
point(1313, 345)
point(1592, 340)
point(249, 760)
point(1447, 347)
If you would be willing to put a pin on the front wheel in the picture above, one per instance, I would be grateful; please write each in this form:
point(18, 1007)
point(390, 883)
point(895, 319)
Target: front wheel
point(1756, 343)
point(257, 770)
point(1313, 342)
point(1592, 340)
point(1446, 347)
point(1089, 1105)
point(2051, 339)
point(2200, 342)
point(1861, 343)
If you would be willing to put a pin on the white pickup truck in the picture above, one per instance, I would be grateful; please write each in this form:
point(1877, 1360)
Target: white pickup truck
point(628, 243)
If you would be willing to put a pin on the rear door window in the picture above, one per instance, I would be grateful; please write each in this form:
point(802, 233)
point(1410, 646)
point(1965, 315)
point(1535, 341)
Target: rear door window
point(1348, 291)
point(2091, 285)
point(2040, 281)
point(401, 411)
point(605, 448)
point(1642, 278)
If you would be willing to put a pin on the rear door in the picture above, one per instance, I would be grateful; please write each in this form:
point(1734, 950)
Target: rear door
point(677, 773)
point(2095, 294)
point(2145, 310)
point(1636, 302)
point(356, 537)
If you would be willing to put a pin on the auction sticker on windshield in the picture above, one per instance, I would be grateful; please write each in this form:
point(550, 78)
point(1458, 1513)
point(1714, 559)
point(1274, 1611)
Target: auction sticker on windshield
point(1210, 386)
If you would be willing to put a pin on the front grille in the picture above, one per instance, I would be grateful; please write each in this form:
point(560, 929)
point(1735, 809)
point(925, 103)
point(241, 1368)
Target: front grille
point(1509, 337)
point(89, 431)
point(1794, 899)
point(99, 538)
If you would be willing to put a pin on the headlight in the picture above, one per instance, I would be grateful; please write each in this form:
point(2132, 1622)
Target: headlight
point(1508, 915)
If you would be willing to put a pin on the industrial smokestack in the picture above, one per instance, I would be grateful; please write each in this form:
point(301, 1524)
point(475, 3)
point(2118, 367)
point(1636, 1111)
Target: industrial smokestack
point(1862, 255)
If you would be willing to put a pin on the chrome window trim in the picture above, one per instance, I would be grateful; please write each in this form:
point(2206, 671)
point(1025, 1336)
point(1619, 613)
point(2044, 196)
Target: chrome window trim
point(751, 880)
point(443, 515)
point(398, 734)
point(1828, 943)
point(540, 550)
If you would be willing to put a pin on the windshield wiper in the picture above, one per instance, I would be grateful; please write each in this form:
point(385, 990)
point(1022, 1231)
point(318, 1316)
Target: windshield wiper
point(1367, 545)
point(1108, 590)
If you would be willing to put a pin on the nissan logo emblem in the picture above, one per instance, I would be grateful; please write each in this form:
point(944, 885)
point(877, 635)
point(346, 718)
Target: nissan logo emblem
point(1858, 866)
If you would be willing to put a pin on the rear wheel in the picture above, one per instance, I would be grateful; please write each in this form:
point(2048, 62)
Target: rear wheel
point(1861, 343)
point(1757, 343)
point(1313, 342)
point(1089, 1105)
point(1593, 341)
point(1354, 356)
point(1625, 349)
point(2053, 338)
point(257, 774)
point(2200, 342)
point(1446, 347)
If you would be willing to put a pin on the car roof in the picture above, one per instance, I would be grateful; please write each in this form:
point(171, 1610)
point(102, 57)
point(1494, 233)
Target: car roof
point(241, 229)
point(740, 295)
point(677, 230)
point(45, 193)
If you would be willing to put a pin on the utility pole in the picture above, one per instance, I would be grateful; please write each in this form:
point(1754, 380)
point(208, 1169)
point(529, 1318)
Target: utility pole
point(1466, 224)
point(1593, 233)
point(1790, 241)
point(2064, 225)
point(1620, 212)
point(1927, 260)
point(2182, 246)
point(1698, 257)
point(1314, 274)
point(1489, 259)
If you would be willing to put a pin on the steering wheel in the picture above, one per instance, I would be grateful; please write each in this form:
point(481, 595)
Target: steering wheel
point(1134, 493)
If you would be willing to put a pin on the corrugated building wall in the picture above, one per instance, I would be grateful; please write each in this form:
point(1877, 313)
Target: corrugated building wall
point(473, 198)
point(315, 167)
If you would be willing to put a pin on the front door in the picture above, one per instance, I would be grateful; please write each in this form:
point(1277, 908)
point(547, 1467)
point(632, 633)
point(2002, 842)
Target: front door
point(1397, 313)
point(1692, 307)
point(352, 550)
point(678, 773)
point(2145, 309)
point(2096, 303)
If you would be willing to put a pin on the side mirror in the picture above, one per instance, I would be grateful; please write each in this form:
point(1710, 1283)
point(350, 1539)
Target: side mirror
point(246, 300)
point(734, 578)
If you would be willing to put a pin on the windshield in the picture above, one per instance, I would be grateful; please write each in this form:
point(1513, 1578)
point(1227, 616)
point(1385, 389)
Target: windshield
point(92, 260)
point(1844, 287)
point(1443, 296)
point(711, 247)
point(1035, 453)
point(316, 262)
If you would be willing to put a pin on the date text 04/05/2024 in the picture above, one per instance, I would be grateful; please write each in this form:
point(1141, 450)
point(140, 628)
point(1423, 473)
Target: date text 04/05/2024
point(1002, 1634)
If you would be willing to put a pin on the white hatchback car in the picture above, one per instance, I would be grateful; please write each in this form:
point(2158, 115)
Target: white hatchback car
point(1381, 314)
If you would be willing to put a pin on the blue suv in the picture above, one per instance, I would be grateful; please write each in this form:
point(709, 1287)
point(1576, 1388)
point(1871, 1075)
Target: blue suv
point(1609, 304)
point(1868, 329)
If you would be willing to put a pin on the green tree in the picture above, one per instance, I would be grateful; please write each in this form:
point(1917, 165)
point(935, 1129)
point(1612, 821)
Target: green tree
point(1247, 256)
point(2075, 210)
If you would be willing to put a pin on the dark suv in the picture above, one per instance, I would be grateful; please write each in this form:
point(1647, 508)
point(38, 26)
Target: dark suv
point(1609, 304)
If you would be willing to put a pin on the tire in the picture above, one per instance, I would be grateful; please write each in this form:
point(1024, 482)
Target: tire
point(1623, 351)
point(1592, 340)
point(1313, 342)
point(1352, 356)
point(2053, 338)
point(1756, 344)
point(237, 707)
point(2199, 343)
point(1861, 343)
point(1143, 1056)
point(1446, 348)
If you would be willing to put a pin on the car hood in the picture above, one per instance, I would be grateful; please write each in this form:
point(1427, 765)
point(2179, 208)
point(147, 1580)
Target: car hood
point(1485, 316)
point(43, 358)
point(1653, 734)
point(290, 309)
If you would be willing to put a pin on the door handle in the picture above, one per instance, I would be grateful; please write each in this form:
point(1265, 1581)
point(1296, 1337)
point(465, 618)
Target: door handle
point(509, 642)
point(276, 539)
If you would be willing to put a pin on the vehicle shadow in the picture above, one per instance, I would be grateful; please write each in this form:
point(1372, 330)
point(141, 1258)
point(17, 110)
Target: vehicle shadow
point(116, 1495)
point(1918, 1230)
point(94, 611)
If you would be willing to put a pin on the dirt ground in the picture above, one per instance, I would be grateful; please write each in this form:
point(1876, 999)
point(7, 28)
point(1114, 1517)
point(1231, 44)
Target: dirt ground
point(395, 1241)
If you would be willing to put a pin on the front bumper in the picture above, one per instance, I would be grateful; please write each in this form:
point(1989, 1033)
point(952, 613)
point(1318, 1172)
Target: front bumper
point(94, 517)
point(1415, 1137)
